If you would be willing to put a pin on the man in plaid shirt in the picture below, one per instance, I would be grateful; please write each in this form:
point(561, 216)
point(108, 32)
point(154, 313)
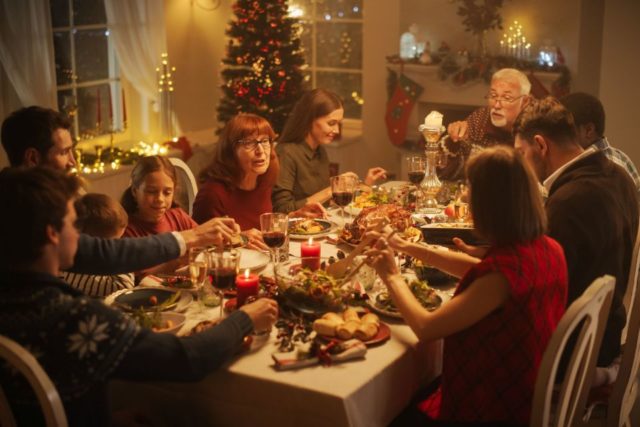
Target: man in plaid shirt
point(588, 114)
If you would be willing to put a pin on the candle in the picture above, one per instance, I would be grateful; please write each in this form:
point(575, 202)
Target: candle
point(310, 254)
point(247, 286)
point(124, 110)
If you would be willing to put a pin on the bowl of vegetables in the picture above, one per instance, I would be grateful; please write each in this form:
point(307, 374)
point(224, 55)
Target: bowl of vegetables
point(308, 288)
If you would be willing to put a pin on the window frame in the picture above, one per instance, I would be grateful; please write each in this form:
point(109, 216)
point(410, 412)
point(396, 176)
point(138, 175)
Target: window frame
point(312, 18)
point(113, 80)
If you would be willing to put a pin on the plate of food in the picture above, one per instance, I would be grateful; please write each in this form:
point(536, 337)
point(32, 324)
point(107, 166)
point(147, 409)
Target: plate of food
point(350, 324)
point(303, 228)
point(428, 297)
point(310, 291)
point(398, 217)
point(147, 299)
point(160, 321)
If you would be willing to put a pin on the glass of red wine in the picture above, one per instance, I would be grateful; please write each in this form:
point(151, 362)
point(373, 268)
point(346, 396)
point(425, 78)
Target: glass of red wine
point(343, 188)
point(274, 227)
point(417, 166)
point(223, 271)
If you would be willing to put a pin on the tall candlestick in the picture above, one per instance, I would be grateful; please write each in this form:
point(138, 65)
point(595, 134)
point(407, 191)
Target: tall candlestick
point(98, 112)
point(124, 110)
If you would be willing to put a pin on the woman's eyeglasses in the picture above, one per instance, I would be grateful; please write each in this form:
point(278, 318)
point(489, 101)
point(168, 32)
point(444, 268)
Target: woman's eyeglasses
point(252, 144)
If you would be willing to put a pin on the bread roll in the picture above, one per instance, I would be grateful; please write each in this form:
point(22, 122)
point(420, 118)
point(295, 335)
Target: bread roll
point(366, 331)
point(326, 327)
point(347, 329)
point(370, 318)
point(350, 314)
point(333, 316)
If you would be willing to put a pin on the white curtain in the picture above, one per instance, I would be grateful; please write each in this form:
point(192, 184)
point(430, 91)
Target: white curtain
point(137, 29)
point(26, 56)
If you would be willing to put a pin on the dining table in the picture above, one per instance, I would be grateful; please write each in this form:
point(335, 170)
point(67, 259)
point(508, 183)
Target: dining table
point(250, 391)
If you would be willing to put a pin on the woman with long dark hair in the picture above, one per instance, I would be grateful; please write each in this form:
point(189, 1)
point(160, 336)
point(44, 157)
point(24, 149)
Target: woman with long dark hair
point(304, 164)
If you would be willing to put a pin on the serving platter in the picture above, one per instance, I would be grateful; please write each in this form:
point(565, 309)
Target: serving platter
point(295, 232)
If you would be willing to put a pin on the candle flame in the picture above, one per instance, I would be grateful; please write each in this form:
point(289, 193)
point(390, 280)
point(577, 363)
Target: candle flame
point(247, 272)
point(310, 241)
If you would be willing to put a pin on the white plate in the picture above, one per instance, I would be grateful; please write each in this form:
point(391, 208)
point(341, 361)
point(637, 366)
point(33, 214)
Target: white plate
point(327, 225)
point(352, 210)
point(252, 259)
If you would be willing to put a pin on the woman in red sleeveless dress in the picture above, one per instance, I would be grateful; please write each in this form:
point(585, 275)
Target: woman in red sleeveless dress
point(506, 306)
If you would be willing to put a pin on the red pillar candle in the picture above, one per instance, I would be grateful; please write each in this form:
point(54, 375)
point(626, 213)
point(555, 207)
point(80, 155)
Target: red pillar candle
point(310, 254)
point(246, 285)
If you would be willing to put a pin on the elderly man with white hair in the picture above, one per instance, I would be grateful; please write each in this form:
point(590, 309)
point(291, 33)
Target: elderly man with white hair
point(487, 126)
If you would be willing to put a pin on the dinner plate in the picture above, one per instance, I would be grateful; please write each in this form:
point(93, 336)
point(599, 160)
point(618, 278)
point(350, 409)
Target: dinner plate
point(145, 298)
point(371, 302)
point(327, 227)
point(391, 185)
point(252, 259)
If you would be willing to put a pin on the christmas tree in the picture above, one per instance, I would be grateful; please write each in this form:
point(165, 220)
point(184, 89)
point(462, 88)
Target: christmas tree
point(264, 62)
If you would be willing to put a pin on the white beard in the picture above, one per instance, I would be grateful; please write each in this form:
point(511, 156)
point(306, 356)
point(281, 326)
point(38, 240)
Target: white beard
point(498, 122)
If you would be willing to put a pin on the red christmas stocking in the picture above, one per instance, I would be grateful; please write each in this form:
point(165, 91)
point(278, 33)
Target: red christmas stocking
point(399, 108)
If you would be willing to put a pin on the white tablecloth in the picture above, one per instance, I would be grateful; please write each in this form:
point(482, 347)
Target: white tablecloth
point(250, 392)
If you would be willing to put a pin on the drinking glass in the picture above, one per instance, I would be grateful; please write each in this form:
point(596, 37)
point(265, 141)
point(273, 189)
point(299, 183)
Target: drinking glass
point(343, 188)
point(198, 265)
point(274, 227)
point(223, 269)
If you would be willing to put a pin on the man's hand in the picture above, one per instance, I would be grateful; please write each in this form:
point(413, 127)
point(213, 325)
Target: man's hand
point(263, 313)
point(457, 130)
point(216, 231)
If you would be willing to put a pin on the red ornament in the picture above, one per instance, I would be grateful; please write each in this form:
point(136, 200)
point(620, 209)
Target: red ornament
point(281, 73)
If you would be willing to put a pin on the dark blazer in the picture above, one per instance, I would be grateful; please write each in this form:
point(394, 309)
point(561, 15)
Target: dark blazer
point(115, 256)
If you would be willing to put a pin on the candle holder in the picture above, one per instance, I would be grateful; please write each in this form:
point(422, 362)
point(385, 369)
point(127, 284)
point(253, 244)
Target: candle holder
point(431, 185)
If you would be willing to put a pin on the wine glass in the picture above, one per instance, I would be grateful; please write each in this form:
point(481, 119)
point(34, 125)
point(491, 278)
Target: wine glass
point(274, 227)
point(224, 268)
point(343, 188)
point(417, 167)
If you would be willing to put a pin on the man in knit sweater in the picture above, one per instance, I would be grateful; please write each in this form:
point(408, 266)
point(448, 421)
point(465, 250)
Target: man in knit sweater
point(486, 126)
point(592, 210)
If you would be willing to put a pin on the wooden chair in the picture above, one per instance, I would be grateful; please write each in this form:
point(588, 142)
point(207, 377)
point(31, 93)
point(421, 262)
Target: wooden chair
point(187, 185)
point(616, 409)
point(18, 357)
point(587, 315)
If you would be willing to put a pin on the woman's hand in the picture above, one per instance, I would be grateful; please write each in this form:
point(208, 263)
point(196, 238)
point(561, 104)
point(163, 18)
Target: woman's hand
point(311, 210)
point(382, 258)
point(391, 237)
point(375, 174)
point(254, 239)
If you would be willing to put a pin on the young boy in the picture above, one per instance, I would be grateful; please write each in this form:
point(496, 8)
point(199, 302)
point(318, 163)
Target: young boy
point(100, 216)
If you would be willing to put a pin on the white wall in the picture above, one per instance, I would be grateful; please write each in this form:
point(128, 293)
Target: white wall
point(619, 87)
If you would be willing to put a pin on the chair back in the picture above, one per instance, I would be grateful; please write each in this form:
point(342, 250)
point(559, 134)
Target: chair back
point(18, 357)
point(187, 185)
point(625, 388)
point(587, 316)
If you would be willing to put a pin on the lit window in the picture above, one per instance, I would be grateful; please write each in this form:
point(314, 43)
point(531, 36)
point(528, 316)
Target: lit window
point(87, 76)
point(332, 39)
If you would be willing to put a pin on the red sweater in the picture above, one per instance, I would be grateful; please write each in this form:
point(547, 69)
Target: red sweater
point(216, 199)
point(174, 219)
point(489, 369)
